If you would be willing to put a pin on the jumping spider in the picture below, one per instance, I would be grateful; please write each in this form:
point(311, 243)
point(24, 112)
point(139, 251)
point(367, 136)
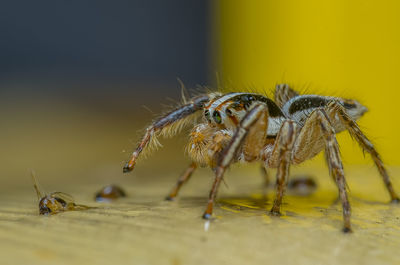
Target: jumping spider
point(251, 127)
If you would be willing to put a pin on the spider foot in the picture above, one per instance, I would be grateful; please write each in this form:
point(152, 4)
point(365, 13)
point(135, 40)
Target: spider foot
point(274, 213)
point(208, 212)
point(170, 198)
point(347, 230)
point(207, 216)
point(128, 167)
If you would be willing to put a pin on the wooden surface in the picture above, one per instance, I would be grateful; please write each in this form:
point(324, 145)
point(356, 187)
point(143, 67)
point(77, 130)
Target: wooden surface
point(76, 149)
point(145, 229)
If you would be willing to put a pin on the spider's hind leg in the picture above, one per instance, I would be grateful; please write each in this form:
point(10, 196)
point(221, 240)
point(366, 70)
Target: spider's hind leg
point(283, 93)
point(318, 126)
point(336, 109)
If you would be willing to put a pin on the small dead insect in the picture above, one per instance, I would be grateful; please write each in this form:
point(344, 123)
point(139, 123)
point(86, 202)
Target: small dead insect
point(109, 193)
point(251, 127)
point(55, 202)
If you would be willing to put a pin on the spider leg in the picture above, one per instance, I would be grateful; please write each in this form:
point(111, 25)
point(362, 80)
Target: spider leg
point(318, 124)
point(265, 175)
point(204, 143)
point(284, 146)
point(283, 93)
point(257, 116)
point(335, 108)
point(182, 180)
point(168, 124)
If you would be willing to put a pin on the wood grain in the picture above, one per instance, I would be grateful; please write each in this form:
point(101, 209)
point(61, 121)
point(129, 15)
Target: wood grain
point(145, 229)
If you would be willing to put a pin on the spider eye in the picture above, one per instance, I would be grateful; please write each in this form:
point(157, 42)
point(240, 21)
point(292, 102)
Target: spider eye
point(207, 114)
point(228, 112)
point(217, 117)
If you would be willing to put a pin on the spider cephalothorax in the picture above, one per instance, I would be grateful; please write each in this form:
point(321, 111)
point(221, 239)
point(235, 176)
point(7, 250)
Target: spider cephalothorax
point(248, 127)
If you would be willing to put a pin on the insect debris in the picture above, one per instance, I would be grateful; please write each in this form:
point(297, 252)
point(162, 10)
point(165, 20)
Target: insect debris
point(109, 193)
point(55, 202)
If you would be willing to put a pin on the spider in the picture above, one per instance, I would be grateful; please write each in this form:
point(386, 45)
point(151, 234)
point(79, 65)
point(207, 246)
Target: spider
point(251, 127)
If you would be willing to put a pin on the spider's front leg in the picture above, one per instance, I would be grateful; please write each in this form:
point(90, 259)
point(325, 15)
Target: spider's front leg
point(205, 141)
point(336, 109)
point(182, 180)
point(249, 138)
point(167, 125)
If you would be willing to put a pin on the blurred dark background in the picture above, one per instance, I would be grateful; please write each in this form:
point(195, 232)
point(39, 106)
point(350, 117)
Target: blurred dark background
point(102, 46)
point(75, 75)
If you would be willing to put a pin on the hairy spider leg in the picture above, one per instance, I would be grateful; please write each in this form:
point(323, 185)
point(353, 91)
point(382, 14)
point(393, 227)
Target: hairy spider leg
point(284, 146)
point(318, 125)
point(254, 121)
point(283, 93)
point(356, 133)
point(173, 120)
point(204, 143)
point(265, 175)
point(210, 145)
point(182, 180)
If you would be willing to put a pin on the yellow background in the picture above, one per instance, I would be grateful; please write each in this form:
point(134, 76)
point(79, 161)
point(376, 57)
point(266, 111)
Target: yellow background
point(342, 48)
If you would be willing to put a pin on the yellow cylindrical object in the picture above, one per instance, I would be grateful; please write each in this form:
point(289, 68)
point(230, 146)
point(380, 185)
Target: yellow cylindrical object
point(334, 47)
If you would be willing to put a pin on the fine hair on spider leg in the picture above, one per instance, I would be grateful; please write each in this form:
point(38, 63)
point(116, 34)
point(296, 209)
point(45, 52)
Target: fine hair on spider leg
point(285, 143)
point(352, 127)
point(227, 155)
point(168, 125)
